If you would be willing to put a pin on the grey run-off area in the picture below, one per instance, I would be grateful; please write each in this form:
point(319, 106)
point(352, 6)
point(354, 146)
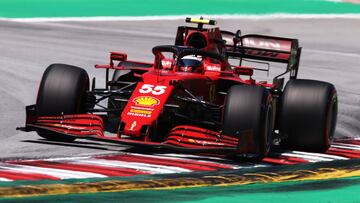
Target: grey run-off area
point(331, 52)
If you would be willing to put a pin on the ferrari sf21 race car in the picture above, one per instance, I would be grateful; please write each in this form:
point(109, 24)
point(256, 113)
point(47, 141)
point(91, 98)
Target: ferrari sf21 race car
point(191, 98)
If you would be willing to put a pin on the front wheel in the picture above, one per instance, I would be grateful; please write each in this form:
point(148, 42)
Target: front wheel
point(62, 91)
point(249, 110)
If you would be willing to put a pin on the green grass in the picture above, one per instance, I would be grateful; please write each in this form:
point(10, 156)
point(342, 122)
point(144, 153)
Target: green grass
point(325, 191)
point(82, 8)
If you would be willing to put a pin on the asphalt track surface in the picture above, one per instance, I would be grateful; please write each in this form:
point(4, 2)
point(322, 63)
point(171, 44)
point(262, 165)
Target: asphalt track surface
point(331, 52)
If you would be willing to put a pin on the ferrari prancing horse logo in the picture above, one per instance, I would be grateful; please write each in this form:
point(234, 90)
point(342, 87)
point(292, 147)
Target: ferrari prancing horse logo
point(133, 125)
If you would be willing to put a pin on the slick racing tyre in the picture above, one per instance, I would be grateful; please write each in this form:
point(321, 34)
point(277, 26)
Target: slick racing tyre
point(62, 91)
point(308, 115)
point(249, 110)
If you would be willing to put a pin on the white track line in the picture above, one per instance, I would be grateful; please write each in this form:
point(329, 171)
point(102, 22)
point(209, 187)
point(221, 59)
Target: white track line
point(344, 147)
point(180, 157)
point(216, 160)
point(181, 17)
point(352, 146)
point(199, 160)
point(58, 173)
point(5, 180)
point(192, 156)
point(185, 157)
point(309, 158)
point(169, 156)
point(321, 155)
point(150, 168)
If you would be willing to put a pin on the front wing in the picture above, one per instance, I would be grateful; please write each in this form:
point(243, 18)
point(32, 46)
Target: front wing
point(181, 138)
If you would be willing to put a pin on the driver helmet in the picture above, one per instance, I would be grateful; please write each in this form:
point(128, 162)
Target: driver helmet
point(190, 64)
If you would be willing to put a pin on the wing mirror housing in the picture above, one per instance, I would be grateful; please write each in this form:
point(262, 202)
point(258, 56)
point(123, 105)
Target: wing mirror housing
point(114, 56)
point(117, 56)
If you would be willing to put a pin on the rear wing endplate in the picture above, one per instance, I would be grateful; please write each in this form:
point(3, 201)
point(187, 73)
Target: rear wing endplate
point(266, 48)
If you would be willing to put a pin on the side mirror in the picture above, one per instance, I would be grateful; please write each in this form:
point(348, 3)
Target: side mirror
point(241, 70)
point(116, 56)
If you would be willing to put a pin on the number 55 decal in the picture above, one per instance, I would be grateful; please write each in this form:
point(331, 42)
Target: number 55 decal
point(155, 90)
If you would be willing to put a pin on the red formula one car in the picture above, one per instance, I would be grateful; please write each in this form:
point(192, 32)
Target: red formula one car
point(191, 98)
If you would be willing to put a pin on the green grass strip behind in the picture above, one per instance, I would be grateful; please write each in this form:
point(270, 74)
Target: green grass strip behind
point(87, 8)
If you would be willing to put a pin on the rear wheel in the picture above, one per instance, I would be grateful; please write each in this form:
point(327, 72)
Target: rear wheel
point(62, 91)
point(308, 115)
point(249, 111)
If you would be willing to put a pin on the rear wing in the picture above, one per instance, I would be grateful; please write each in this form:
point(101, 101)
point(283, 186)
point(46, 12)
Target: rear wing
point(265, 48)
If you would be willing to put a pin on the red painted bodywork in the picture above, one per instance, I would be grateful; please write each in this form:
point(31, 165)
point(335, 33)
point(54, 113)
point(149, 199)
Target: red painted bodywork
point(156, 85)
point(92, 126)
point(136, 114)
